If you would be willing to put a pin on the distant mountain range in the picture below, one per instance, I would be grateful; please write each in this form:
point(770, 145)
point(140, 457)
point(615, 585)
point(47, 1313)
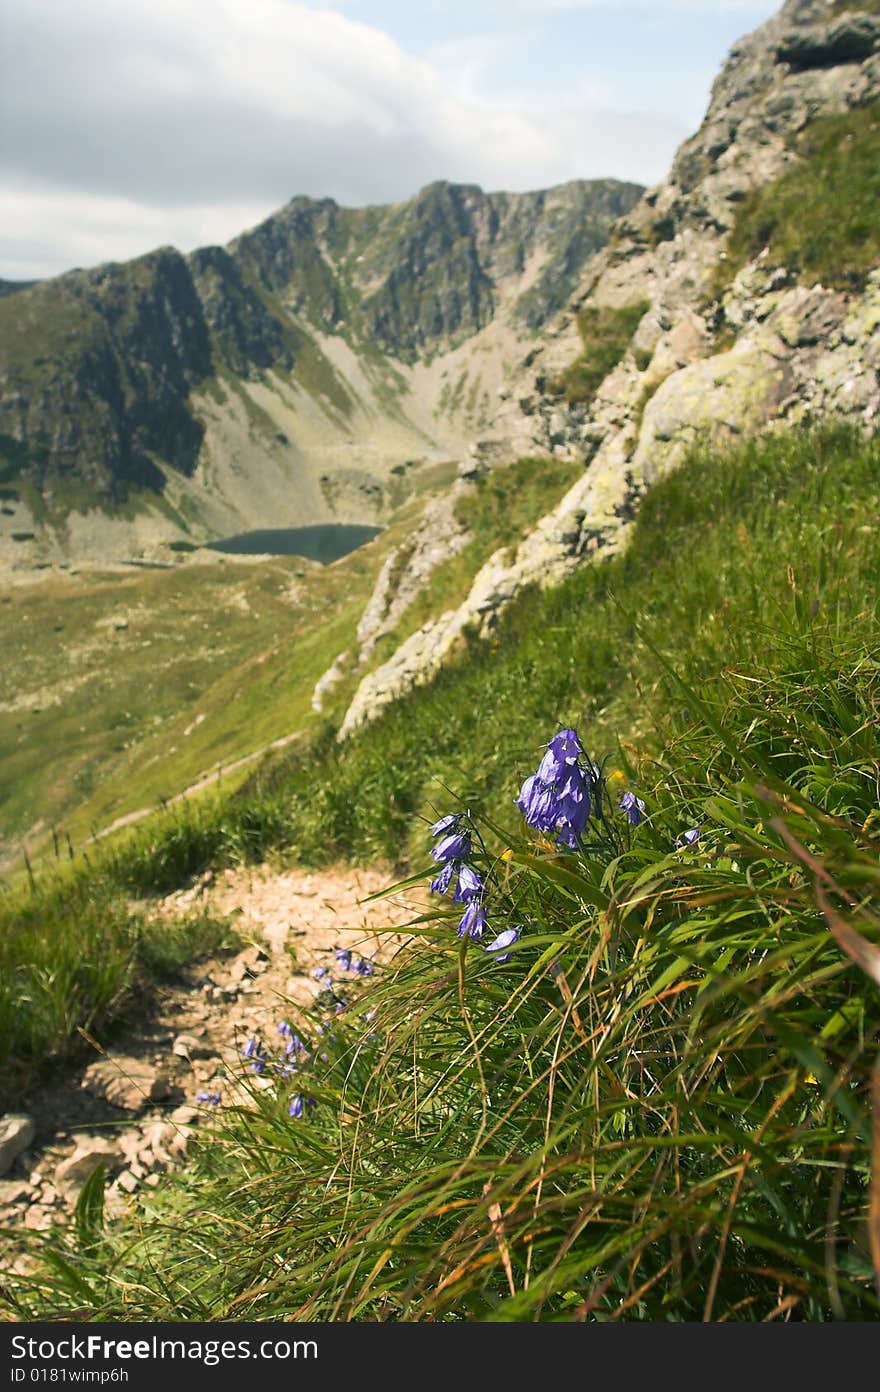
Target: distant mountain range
point(278, 380)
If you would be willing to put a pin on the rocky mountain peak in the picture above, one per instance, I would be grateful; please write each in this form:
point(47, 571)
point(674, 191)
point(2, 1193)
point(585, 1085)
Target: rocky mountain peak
point(742, 293)
point(296, 363)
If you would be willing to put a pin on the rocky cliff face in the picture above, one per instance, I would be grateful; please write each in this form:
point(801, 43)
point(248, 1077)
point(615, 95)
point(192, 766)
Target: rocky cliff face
point(743, 317)
point(277, 380)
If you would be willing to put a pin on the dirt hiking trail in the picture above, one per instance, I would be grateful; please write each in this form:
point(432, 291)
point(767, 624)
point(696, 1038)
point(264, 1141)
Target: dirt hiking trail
point(134, 1106)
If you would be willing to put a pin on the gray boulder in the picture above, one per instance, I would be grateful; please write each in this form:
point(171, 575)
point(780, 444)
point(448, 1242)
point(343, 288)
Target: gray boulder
point(17, 1130)
point(130, 1083)
point(852, 39)
point(72, 1173)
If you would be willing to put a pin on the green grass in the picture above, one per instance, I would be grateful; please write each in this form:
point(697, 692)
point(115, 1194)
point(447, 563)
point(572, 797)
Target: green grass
point(660, 1107)
point(837, 177)
point(606, 333)
point(119, 690)
point(76, 956)
point(721, 553)
point(241, 645)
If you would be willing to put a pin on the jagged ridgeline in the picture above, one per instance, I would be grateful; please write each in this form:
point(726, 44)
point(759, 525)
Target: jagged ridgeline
point(279, 379)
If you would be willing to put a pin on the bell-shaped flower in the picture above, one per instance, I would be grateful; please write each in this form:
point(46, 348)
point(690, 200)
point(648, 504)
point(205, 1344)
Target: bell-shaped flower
point(633, 807)
point(473, 921)
point(469, 886)
point(440, 884)
point(504, 940)
point(454, 847)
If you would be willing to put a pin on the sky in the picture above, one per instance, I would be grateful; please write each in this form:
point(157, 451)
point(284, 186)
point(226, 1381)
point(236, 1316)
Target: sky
point(130, 124)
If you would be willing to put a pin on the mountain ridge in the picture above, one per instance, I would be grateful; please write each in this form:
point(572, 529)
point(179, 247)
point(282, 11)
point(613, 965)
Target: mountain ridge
point(299, 354)
point(721, 344)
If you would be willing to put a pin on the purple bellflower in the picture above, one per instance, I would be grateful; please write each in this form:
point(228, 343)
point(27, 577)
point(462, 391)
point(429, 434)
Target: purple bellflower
point(633, 807)
point(440, 884)
point(473, 921)
point(469, 886)
point(454, 847)
point(557, 799)
point(253, 1049)
point(505, 939)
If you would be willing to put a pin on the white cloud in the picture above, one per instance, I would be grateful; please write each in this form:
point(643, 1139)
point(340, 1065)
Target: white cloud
point(95, 229)
point(656, 6)
point(186, 120)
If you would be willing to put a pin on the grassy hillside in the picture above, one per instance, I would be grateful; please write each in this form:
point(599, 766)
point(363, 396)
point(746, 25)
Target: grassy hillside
point(120, 689)
point(725, 553)
point(837, 177)
point(659, 1106)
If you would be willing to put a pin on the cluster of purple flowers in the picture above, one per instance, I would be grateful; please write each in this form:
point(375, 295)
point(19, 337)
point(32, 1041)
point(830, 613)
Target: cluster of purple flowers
point(211, 1099)
point(452, 851)
point(561, 796)
point(558, 798)
point(352, 961)
point(291, 1057)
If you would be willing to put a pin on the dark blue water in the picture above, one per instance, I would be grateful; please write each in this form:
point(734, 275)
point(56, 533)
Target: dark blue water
point(325, 542)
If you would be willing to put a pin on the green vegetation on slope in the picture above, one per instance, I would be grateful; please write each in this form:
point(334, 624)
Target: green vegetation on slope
point(121, 689)
point(659, 1107)
point(836, 177)
point(606, 333)
point(720, 551)
point(75, 956)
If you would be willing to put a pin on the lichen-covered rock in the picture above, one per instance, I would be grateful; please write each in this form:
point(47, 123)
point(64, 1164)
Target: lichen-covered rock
point(713, 401)
point(334, 674)
point(849, 39)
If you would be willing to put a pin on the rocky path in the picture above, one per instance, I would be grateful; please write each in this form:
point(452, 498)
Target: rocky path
point(135, 1106)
